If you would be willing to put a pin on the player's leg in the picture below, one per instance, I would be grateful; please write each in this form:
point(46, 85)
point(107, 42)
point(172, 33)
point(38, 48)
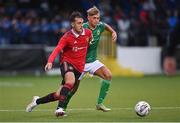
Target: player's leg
point(54, 96)
point(69, 74)
point(99, 69)
point(106, 75)
point(73, 91)
point(46, 99)
point(66, 88)
point(78, 79)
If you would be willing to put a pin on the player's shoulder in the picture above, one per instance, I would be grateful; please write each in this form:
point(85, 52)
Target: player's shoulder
point(101, 24)
point(85, 25)
point(67, 34)
point(87, 31)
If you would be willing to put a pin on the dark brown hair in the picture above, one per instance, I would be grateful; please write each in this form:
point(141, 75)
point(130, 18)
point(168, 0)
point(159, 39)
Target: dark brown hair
point(74, 15)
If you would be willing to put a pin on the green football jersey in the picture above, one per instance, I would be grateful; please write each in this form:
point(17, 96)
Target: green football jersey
point(92, 50)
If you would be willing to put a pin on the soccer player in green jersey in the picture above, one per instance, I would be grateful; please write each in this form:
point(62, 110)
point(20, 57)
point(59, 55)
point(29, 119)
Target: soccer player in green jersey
point(94, 66)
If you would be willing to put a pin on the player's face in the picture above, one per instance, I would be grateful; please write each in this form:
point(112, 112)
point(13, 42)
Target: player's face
point(94, 20)
point(78, 25)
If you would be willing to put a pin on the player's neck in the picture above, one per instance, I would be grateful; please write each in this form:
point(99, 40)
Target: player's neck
point(77, 32)
point(92, 27)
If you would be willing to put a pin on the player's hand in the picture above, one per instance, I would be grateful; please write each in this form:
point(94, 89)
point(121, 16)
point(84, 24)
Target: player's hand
point(114, 36)
point(169, 66)
point(48, 66)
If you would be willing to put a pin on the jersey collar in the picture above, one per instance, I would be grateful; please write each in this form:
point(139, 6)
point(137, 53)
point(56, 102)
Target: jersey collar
point(76, 34)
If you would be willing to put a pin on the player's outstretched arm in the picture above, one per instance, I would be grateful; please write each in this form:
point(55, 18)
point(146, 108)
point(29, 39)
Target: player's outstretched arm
point(56, 51)
point(51, 58)
point(113, 32)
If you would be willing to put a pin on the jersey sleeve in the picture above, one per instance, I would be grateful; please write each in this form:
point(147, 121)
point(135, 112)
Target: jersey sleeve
point(102, 26)
point(61, 44)
point(85, 25)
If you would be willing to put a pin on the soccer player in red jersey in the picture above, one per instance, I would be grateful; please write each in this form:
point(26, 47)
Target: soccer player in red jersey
point(73, 47)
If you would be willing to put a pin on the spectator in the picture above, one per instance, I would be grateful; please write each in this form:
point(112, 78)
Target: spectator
point(149, 20)
point(44, 30)
point(169, 61)
point(124, 26)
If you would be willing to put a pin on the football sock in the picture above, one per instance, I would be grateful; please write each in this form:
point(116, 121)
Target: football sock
point(103, 91)
point(48, 98)
point(63, 95)
point(71, 93)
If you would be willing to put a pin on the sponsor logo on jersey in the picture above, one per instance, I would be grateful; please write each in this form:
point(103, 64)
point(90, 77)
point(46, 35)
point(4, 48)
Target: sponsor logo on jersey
point(75, 49)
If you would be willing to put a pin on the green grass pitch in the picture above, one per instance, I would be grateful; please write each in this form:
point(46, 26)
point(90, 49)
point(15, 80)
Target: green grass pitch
point(161, 92)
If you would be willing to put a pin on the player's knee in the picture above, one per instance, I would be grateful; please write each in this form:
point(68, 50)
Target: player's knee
point(69, 78)
point(108, 76)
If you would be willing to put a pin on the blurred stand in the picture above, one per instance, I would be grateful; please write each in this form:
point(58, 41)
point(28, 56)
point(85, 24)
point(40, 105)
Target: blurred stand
point(35, 23)
point(22, 59)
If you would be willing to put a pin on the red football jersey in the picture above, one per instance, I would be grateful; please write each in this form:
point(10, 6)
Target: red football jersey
point(74, 48)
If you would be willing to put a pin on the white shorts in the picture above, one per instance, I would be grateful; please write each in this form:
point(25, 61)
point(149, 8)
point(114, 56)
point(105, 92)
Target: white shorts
point(91, 68)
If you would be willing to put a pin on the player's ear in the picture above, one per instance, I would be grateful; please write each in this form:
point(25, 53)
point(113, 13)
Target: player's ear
point(72, 24)
point(88, 17)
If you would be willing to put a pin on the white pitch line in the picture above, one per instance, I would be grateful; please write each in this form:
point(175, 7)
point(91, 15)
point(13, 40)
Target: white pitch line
point(86, 109)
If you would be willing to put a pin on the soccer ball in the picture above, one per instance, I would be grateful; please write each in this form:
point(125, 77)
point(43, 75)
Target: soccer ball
point(142, 108)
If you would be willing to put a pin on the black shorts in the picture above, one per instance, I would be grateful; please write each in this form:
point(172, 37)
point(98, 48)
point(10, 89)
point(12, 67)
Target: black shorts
point(67, 67)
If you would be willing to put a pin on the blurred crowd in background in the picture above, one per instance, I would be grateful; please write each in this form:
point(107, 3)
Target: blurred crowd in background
point(137, 22)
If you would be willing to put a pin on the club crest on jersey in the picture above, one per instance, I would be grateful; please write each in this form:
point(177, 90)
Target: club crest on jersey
point(98, 32)
point(87, 39)
point(70, 68)
point(75, 42)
